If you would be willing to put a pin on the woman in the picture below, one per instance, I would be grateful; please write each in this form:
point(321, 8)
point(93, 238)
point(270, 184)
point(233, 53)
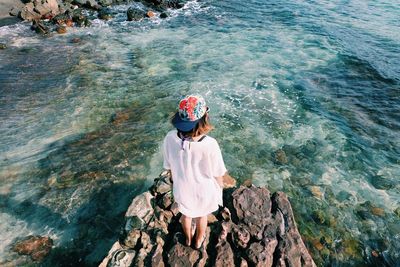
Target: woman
point(196, 165)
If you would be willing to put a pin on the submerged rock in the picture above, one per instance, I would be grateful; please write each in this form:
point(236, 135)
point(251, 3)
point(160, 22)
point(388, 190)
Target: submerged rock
point(61, 29)
point(105, 14)
point(40, 28)
point(3, 46)
point(261, 231)
point(37, 247)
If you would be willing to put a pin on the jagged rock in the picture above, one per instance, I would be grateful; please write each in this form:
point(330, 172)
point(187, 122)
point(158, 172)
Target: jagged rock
point(87, 3)
point(260, 255)
point(15, 11)
point(240, 236)
point(28, 13)
point(224, 255)
point(181, 255)
point(36, 246)
point(135, 14)
point(118, 256)
point(141, 207)
point(253, 207)
point(166, 200)
point(105, 13)
point(176, 4)
point(291, 249)
point(62, 19)
point(261, 231)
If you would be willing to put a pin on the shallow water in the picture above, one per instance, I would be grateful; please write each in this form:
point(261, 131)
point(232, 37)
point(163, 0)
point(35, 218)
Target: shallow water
point(304, 97)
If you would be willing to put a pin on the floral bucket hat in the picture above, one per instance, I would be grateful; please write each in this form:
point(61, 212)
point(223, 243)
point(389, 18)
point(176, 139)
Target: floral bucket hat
point(190, 110)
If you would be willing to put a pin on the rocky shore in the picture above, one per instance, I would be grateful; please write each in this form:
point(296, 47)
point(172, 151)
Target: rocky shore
point(254, 228)
point(57, 15)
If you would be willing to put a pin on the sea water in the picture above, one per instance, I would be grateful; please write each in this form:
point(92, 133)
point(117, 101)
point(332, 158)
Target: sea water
point(304, 97)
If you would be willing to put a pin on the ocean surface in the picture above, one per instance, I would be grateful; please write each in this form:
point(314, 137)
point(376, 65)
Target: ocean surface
point(304, 97)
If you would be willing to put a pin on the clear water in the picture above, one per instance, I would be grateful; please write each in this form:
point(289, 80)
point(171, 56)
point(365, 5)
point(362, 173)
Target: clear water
point(305, 97)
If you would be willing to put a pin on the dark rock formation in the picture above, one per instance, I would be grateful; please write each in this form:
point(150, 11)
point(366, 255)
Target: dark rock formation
point(105, 13)
point(254, 229)
point(36, 246)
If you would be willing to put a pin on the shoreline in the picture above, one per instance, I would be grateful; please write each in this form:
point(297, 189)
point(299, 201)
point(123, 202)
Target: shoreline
point(5, 7)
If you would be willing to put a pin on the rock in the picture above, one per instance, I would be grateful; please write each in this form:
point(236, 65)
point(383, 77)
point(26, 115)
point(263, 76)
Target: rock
point(15, 12)
point(164, 15)
point(61, 29)
point(224, 255)
point(118, 256)
point(135, 14)
point(141, 207)
point(150, 14)
point(211, 219)
point(280, 157)
point(38, 247)
point(3, 46)
point(378, 211)
point(260, 255)
point(105, 13)
point(27, 13)
point(291, 249)
point(240, 236)
point(261, 231)
point(87, 3)
point(40, 28)
point(175, 4)
point(181, 255)
point(253, 207)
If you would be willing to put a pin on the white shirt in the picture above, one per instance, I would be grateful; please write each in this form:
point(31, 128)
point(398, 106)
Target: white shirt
point(194, 166)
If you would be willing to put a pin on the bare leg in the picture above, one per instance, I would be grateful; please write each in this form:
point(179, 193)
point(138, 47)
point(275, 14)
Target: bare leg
point(201, 226)
point(187, 228)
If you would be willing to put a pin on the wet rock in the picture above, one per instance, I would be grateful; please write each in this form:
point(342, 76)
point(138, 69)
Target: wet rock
point(135, 14)
point(40, 28)
point(280, 157)
point(105, 13)
point(141, 207)
point(79, 18)
point(38, 247)
point(105, 2)
point(164, 15)
point(75, 40)
point(175, 4)
point(61, 29)
point(397, 211)
point(378, 211)
point(3, 46)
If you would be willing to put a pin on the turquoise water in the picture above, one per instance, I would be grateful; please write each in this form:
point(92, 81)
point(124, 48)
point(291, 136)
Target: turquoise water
point(305, 97)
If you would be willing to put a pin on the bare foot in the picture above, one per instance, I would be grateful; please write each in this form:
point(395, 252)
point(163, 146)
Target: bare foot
point(199, 242)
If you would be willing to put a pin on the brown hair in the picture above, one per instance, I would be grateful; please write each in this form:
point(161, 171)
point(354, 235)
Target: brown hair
point(202, 127)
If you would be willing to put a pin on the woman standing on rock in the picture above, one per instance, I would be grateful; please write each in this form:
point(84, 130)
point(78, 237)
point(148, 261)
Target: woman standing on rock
point(196, 165)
